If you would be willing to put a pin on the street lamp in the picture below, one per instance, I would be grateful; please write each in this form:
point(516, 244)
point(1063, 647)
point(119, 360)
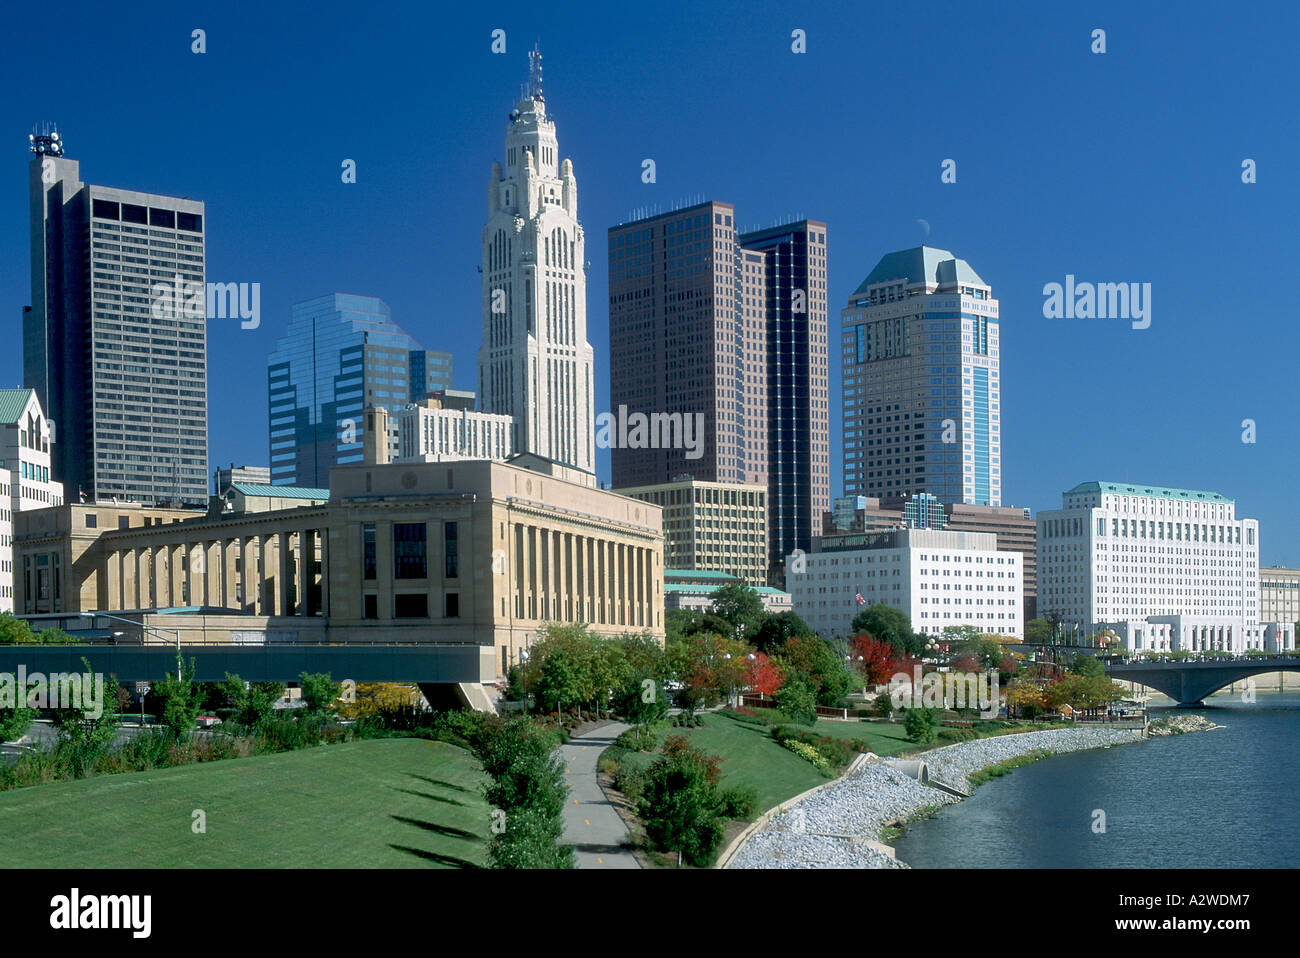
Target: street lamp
point(143, 628)
point(731, 681)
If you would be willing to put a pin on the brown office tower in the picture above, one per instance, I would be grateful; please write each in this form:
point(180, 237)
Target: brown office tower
point(688, 352)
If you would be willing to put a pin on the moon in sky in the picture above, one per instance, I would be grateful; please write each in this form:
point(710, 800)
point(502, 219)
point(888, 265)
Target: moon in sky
point(926, 225)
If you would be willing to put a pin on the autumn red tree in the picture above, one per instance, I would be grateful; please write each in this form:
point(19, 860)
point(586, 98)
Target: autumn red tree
point(872, 658)
point(763, 675)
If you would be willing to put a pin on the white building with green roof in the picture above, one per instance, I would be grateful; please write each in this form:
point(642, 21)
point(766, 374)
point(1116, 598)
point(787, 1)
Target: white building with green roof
point(1166, 569)
point(26, 448)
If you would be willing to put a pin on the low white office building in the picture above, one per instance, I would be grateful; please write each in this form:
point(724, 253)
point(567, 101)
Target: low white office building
point(1165, 569)
point(446, 427)
point(939, 578)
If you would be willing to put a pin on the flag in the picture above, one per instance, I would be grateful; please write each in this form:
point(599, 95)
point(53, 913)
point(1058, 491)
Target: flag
point(861, 601)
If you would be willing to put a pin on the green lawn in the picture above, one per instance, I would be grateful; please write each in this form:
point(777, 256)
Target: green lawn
point(386, 803)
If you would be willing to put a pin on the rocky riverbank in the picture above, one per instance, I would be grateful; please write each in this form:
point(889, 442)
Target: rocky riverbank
point(832, 827)
point(1181, 724)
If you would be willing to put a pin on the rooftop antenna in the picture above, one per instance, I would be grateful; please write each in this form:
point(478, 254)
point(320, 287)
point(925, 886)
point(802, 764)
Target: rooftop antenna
point(535, 72)
point(46, 142)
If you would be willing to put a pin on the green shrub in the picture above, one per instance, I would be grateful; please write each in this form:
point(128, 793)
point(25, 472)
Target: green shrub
point(739, 802)
point(806, 751)
point(530, 839)
point(921, 724)
point(639, 738)
point(630, 780)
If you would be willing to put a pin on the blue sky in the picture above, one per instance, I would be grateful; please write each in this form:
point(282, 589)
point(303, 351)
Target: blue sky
point(1118, 167)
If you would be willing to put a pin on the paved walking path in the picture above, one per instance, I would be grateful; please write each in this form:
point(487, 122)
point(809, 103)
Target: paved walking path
point(590, 823)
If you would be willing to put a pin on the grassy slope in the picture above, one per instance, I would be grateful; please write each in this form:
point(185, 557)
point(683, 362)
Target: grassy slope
point(383, 803)
point(750, 756)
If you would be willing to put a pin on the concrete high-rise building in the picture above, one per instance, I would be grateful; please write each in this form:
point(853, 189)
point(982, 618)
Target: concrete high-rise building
point(796, 307)
point(920, 361)
point(340, 354)
point(535, 363)
point(712, 526)
point(687, 337)
point(121, 369)
point(1164, 569)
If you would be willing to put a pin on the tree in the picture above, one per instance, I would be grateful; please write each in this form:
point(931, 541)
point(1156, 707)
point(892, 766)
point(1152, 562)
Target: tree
point(776, 628)
point(14, 631)
point(252, 702)
point(182, 701)
point(872, 659)
point(527, 788)
point(889, 625)
point(14, 723)
point(739, 605)
point(1037, 632)
point(762, 675)
point(797, 698)
point(921, 724)
point(682, 623)
point(319, 691)
point(1087, 665)
point(679, 803)
point(825, 666)
point(708, 666)
point(1027, 697)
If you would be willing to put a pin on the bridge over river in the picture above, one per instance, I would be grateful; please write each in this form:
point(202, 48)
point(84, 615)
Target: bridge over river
point(1189, 682)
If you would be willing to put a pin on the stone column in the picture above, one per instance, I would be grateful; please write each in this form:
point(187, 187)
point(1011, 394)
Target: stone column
point(384, 569)
point(324, 570)
point(284, 549)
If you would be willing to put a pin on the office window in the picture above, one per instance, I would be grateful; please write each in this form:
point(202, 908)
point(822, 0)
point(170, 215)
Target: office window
point(409, 550)
point(411, 606)
point(453, 605)
point(449, 547)
point(368, 551)
point(370, 606)
point(92, 520)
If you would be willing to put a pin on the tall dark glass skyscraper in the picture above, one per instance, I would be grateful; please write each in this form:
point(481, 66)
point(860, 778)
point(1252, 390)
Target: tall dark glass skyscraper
point(125, 381)
point(796, 308)
point(340, 354)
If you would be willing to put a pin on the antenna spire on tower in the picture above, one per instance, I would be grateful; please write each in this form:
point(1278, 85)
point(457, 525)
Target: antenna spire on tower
point(535, 72)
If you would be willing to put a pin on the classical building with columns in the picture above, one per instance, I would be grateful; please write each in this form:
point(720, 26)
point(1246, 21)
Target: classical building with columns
point(468, 552)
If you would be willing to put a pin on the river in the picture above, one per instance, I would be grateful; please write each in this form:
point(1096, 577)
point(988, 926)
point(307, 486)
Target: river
point(1219, 799)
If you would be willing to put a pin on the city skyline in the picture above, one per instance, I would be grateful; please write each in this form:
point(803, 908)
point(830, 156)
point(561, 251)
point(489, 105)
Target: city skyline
point(1084, 398)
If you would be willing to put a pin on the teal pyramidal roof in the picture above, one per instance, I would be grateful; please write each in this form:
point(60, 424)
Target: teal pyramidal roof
point(1157, 492)
point(280, 492)
point(924, 264)
point(12, 404)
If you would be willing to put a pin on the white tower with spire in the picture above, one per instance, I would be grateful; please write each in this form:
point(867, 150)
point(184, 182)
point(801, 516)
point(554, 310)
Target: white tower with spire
point(535, 363)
